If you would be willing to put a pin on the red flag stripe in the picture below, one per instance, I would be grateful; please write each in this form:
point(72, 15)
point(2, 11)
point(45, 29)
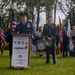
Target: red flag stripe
point(2, 39)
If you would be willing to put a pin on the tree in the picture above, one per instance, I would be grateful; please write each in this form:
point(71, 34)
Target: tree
point(68, 8)
point(24, 5)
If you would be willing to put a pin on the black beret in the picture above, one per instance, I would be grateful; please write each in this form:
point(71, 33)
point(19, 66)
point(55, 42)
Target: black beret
point(23, 14)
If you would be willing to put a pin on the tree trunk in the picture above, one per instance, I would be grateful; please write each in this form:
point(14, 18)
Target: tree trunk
point(49, 13)
point(55, 13)
point(55, 7)
point(38, 14)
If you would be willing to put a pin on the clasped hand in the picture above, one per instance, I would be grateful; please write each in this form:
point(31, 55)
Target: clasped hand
point(49, 39)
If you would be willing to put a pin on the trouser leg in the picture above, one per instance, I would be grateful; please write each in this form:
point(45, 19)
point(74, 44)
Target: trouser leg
point(47, 54)
point(63, 53)
point(53, 48)
point(66, 49)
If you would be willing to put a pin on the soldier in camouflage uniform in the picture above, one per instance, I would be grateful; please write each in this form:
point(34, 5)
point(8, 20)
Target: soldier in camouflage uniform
point(49, 34)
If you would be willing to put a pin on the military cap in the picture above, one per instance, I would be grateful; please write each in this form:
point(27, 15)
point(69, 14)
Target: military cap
point(49, 17)
point(23, 14)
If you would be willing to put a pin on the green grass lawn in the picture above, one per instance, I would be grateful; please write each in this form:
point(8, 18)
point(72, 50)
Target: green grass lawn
point(65, 66)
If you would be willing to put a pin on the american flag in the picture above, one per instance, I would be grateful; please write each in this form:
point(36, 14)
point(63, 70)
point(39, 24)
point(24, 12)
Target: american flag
point(13, 21)
point(1, 36)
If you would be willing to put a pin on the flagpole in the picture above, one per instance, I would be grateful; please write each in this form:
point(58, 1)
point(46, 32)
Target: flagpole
point(0, 36)
point(12, 7)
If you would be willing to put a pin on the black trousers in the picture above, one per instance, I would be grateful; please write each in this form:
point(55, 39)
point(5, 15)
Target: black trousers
point(53, 49)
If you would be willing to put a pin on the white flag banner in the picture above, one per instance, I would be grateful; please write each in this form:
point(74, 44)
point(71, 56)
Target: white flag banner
point(71, 45)
point(69, 29)
point(34, 48)
point(69, 35)
point(34, 31)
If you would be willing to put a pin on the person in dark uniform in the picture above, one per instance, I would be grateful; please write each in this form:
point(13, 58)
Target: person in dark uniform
point(65, 42)
point(25, 26)
point(0, 44)
point(8, 39)
point(49, 34)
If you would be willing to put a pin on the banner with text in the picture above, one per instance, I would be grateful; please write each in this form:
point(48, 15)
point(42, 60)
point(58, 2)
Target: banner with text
point(20, 51)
